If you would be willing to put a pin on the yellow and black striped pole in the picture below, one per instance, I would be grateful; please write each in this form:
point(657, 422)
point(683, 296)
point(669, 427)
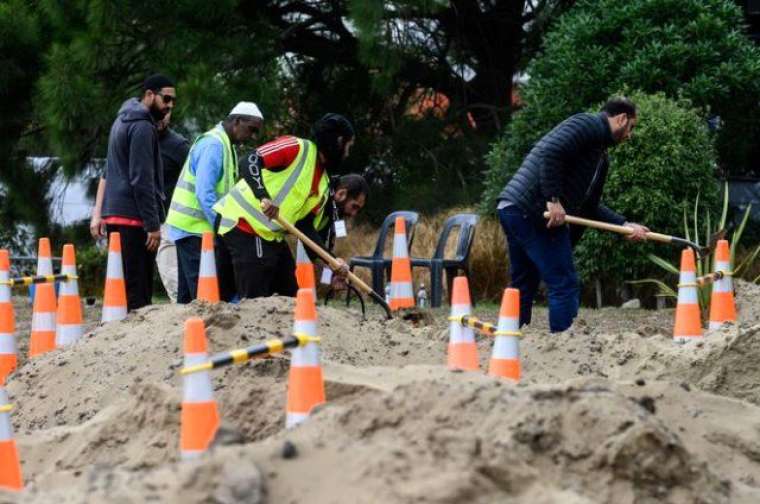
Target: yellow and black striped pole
point(38, 279)
point(475, 323)
point(245, 354)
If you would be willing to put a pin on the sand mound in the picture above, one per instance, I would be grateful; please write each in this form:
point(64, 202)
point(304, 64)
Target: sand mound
point(466, 438)
point(610, 411)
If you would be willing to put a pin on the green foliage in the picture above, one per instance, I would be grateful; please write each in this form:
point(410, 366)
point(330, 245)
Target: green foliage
point(704, 232)
point(689, 48)
point(91, 269)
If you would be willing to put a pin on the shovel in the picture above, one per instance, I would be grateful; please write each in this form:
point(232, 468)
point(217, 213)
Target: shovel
point(333, 263)
point(674, 240)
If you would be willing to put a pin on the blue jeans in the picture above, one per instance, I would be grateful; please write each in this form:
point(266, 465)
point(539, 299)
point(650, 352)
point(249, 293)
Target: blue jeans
point(537, 253)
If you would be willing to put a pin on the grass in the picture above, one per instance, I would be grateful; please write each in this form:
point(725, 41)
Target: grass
point(488, 258)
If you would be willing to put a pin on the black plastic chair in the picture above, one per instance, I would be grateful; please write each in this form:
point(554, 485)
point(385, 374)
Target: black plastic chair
point(460, 262)
point(378, 264)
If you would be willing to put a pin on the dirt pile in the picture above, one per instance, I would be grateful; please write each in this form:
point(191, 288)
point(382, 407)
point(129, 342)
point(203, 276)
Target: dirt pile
point(610, 411)
point(465, 438)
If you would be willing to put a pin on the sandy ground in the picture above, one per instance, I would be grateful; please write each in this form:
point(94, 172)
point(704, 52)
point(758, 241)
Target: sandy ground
point(610, 411)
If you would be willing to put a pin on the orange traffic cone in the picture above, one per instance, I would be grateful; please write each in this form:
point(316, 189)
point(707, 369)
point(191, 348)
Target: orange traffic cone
point(688, 319)
point(43, 312)
point(10, 468)
point(115, 295)
point(463, 352)
point(306, 387)
point(722, 303)
point(200, 415)
point(208, 285)
point(8, 359)
point(69, 320)
point(505, 359)
point(305, 276)
point(402, 295)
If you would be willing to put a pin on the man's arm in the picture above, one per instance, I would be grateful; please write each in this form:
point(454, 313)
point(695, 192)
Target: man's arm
point(142, 167)
point(97, 226)
point(209, 168)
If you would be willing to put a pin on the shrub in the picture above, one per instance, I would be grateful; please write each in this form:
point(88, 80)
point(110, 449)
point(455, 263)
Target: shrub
point(690, 48)
point(91, 269)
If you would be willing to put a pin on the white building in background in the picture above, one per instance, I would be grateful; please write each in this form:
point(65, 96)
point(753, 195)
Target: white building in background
point(70, 202)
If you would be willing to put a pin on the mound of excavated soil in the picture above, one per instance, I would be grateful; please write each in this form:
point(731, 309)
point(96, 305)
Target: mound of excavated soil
point(459, 437)
point(610, 411)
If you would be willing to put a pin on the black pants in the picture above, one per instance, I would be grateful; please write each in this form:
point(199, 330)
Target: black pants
point(139, 265)
point(261, 267)
point(224, 270)
point(188, 265)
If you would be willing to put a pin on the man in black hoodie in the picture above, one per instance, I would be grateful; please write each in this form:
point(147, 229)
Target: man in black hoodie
point(133, 204)
point(566, 169)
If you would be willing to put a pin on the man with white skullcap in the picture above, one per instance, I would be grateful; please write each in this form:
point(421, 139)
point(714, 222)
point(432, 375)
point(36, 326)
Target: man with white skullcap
point(210, 170)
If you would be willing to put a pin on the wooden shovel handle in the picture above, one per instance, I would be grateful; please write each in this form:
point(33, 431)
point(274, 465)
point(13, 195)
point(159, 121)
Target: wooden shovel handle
point(580, 221)
point(326, 257)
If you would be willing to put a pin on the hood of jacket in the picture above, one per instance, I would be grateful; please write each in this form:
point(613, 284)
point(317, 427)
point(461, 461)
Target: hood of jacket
point(133, 110)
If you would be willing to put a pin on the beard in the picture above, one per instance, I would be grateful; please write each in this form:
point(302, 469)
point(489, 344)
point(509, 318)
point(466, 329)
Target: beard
point(157, 113)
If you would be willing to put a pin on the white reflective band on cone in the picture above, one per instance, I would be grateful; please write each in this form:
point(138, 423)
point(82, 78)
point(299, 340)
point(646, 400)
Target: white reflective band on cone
point(71, 287)
point(43, 321)
point(401, 290)
point(114, 268)
point(457, 332)
point(112, 313)
point(197, 386)
point(294, 419)
point(399, 246)
point(307, 355)
point(208, 265)
point(724, 284)
point(687, 295)
point(67, 334)
point(44, 266)
point(505, 346)
point(6, 429)
point(7, 344)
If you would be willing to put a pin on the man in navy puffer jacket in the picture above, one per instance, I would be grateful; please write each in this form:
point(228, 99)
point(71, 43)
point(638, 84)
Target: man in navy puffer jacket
point(565, 170)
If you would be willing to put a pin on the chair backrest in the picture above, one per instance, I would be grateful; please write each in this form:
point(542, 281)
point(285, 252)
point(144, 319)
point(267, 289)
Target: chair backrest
point(466, 224)
point(411, 219)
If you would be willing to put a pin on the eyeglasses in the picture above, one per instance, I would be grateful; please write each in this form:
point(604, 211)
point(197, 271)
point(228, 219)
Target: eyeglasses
point(168, 99)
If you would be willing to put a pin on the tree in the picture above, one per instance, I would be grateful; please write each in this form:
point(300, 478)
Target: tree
point(22, 188)
point(372, 60)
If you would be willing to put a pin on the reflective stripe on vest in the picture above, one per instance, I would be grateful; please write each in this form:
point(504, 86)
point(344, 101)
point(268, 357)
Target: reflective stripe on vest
point(185, 211)
point(290, 188)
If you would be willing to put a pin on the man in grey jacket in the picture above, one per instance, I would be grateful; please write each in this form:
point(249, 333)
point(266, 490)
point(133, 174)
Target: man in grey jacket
point(566, 169)
point(133, 204)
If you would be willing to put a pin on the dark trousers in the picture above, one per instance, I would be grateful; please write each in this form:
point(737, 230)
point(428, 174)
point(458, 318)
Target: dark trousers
point(537, 253)
point(139, 264)
point(188, 266)
point(261, 267)
point(224, 271)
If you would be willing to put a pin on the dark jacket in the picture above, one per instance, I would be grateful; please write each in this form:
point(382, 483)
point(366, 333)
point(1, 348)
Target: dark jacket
point(174, 148)
point(134, 173)
point(570, 163)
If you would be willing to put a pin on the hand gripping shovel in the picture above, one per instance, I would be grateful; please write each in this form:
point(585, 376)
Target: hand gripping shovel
point(700, 251)
point(333, 263)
